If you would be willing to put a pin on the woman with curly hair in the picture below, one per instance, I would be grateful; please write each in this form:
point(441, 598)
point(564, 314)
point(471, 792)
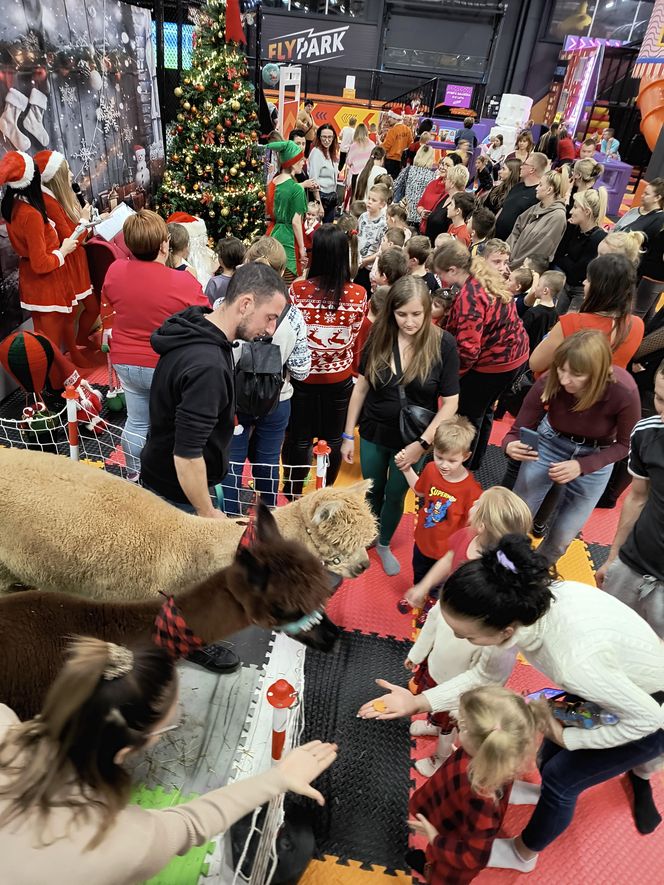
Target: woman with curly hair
point(492, 343)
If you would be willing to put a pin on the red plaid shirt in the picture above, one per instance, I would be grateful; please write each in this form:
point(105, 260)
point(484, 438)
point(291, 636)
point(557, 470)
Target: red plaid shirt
point(467, 823)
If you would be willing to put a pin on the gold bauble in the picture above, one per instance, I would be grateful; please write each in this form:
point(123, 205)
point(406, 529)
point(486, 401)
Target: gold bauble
point(177, 92)
point(235, 105)
point(181, 118)
point(186, 106)
point(211, 213)
point(187, 81)
point(208, 168)
point(196, 185)
point(242, 164)
point(188, 159)
point(233, 170)
point(225, 211)
point(219, 127)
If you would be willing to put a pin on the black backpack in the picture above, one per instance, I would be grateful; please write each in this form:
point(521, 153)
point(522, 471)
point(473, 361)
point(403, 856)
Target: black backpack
point(259, 375)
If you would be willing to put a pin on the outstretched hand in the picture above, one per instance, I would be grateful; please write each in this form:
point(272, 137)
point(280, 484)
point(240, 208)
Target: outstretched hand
point(395, 705)
point(303, 765)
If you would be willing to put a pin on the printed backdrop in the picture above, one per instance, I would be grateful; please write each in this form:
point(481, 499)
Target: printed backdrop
point(79, 77)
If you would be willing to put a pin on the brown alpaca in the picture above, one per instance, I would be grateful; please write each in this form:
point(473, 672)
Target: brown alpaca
point(72, 528)
point(273, 583)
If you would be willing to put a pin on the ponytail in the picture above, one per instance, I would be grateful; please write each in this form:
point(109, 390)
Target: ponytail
point(378, 153)
point(105, 699)
point(348, 224)
point(502, 730)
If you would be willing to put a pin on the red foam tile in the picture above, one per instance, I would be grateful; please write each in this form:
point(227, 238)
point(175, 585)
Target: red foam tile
point(602, 525)
point(369, 603)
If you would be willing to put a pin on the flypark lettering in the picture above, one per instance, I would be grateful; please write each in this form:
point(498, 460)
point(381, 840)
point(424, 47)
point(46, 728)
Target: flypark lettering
point(308, 46)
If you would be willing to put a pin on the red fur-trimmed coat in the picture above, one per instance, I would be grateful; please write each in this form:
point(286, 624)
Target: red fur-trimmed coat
point(43, 280)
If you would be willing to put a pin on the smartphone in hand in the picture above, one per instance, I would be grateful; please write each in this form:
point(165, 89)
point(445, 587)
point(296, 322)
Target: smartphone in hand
point(529, 438)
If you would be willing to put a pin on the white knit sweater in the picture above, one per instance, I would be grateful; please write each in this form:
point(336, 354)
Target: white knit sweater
point(588, 643)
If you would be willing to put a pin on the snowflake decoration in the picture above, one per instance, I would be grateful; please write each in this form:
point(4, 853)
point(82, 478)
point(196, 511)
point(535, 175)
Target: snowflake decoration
point(86, 154)
point(30, 42)
point(157, 150)
point(126, 135)
point(108, 115)
point(68, 95)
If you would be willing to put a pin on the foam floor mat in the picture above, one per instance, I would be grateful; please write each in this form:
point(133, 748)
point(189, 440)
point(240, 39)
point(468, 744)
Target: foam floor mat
point(367, 789)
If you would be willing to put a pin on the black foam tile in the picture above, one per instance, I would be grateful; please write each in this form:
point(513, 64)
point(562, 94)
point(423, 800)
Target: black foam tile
point(599, 553)
point(492, 468)
point(367, 788)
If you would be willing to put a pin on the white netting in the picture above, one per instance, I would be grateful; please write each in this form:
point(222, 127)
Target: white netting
point(104, 444)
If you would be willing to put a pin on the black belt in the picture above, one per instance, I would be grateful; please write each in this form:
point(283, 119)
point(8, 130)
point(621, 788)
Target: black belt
point(583, 440)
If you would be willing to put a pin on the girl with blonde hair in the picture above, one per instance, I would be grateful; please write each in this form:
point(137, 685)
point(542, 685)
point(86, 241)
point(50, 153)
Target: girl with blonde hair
point(628, 243)
point(267, 250)
point(438, 221)
point(583, 409)
point(584, 175)
point(65, 790)
point(356, 159)
point(436, 655)
point(579, 244)
point(539, 230)
point(403, 349)
point(461, 808)
point(413, 180)
point(493, 345)
point(65, 212)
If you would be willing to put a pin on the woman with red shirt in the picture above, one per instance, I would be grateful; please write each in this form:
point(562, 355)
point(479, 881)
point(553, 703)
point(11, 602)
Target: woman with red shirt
point(608, 292)
point(566, 149)
point(333, 308)
point(492, 342)
point(436, 190)
point(43, 281)
point(65, 212)
point(141, 295)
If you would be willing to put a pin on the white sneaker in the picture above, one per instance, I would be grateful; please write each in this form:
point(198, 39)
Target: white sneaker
point(423, 728)
point(428, 766)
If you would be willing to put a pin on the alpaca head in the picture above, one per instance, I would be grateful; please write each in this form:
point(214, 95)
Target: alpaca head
point(281, 584)
point(340, 526)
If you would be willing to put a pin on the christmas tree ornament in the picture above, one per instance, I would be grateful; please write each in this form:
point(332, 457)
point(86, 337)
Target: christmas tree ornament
point(177, 92)
point(225, 211)
point(199, 87)
point(187, 81)
point(180, 118)
point(235, 105)
point(186, 106)
point(220, 100)
point(233, 170)
point(219, 127)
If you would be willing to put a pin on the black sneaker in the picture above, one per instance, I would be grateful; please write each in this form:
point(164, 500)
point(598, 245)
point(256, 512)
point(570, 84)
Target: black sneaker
point(218, 658)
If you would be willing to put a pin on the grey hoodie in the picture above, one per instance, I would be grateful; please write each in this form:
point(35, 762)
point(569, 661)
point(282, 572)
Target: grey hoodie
point(537, 232)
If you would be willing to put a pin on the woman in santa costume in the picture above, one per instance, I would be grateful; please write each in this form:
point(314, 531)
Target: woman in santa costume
point(64, 210)
point(43, 281)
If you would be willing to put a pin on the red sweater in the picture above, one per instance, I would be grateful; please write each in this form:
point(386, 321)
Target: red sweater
point(566, 149)
point(467, 823)
point(331, 334)
point(489, 333)
point(143, 294)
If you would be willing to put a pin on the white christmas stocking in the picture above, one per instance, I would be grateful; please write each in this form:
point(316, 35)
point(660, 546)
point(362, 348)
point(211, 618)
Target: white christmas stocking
point(34, 119)
point(15, 104)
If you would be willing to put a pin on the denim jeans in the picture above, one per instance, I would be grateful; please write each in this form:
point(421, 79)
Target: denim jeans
point(136, 382)
point(180, 505)
point(566, 774)
point(578, 497)
point(264, 437)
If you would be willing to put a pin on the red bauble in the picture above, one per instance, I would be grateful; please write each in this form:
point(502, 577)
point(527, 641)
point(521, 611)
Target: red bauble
point(228, 123)
point(196, 148)
point(220, 100)
point(179, 129)
point(226, 179)
point(236, 85)
point(40, 73)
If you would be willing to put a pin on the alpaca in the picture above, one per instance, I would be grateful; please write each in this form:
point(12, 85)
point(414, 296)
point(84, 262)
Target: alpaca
point(274, 582)
point(73, 529)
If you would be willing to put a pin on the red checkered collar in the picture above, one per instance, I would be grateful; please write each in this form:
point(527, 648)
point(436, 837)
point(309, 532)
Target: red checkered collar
point(171, 631)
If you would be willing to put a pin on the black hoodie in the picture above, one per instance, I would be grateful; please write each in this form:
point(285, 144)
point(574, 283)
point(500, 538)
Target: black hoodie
point(192, 401)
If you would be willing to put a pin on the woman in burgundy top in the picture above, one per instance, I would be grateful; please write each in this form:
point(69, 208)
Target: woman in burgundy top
point(139, 296)
point(566, 150)
point(492, 343)
point(584, 410)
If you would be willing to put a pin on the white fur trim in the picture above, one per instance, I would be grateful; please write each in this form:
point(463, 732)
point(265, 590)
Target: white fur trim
point(38, 98)
point(80, 296)
point(45, 308)
point(28, 175)
point(54, 162)
point(60, 256)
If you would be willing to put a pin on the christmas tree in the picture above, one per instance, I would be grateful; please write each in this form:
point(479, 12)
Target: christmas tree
point(214, 167)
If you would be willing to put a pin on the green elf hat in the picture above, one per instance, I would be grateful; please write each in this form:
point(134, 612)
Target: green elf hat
point(289, 152)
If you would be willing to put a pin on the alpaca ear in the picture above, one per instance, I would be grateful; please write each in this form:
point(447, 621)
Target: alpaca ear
point(326, 511)
point(267, 530)
point(256, 573)
point(359, 488)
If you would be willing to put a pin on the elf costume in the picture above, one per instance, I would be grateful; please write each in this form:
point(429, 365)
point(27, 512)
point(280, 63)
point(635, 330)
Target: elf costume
point(43, 281)
point(48, 163)
point(284, 201)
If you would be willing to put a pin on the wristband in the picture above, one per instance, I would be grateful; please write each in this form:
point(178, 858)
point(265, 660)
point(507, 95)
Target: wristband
point(422, 442)
point(348, 437)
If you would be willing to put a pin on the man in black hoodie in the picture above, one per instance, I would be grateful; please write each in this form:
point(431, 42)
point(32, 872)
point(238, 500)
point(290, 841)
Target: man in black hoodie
point(192, 398)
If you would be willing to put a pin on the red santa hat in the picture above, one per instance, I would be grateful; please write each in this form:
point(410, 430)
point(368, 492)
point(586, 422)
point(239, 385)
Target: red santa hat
point(17, 170)
point(181, 218)
point(48, 163)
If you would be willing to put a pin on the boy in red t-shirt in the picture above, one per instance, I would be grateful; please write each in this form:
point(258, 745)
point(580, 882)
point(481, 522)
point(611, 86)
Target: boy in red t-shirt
point(446, 491)
point(459, 210)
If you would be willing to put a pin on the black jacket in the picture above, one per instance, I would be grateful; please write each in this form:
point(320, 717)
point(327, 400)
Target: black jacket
point(192, 401)
point(576, 251)
point(520, 198)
